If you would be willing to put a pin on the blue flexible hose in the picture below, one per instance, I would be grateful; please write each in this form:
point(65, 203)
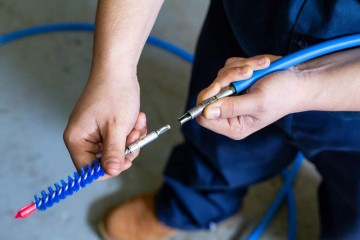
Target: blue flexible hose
point(298, 57)
point(290, 176)
point(290, 197)
point(170, 48)
point(48, 28)
point(88, 27)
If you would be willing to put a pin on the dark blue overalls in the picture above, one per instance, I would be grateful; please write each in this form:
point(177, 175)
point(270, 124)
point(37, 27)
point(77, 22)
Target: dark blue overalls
point(207, 177)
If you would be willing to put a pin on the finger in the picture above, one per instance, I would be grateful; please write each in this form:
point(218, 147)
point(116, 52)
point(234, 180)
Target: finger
point(232, 107)
point(256, 63)
point(127, 164)
point(233, 128)
point(223, 81)
point(81, 147)
point(139, 131)
point(235, 69)
point(208, 92)
point(141, 124)
point(273, 57)
point(132, 137)
point(242, 70)
point(230, 75)
point(220, 126)
point(113, 149)
point(233, 59)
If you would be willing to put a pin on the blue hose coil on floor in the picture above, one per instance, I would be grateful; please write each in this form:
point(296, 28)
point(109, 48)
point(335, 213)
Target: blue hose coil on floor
point(285, 190)
point(88, 27)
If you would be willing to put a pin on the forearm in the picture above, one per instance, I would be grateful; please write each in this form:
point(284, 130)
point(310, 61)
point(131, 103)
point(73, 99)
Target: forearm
point(122, 27)
point(332, 83)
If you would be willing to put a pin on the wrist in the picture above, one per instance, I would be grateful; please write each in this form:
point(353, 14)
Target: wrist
point(296, 91)
point(111, 72)
point(113, 65)
point(312, 87)
point(330, 81)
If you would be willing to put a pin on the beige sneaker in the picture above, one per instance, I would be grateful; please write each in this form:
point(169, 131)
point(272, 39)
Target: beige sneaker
point(134, 220)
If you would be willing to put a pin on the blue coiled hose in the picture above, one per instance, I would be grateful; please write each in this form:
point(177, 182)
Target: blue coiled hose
point(88, 27)
point(285, 190)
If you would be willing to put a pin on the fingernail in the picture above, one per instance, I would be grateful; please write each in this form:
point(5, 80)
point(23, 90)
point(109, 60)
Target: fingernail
point(213, 113)
point(261, 61)
point(112, 166)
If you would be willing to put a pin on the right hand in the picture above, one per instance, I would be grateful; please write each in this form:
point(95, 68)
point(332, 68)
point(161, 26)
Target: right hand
point(105, 120)
point(266, 101)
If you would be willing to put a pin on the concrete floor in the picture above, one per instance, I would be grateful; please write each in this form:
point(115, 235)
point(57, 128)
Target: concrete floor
point(40, 80)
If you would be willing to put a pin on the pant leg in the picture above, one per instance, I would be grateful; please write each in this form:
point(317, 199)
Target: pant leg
point(207, 176)
point(332, 142)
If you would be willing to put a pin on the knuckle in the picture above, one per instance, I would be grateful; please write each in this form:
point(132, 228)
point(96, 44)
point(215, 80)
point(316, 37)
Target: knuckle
point(230, 60)
point(229, 73)
point(247, 72)
point(113, 121)
point(220, 72)
point(70, 136)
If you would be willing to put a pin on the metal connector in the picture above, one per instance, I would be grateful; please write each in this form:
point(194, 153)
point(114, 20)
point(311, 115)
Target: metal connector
point(146, 140)
point(197, 110)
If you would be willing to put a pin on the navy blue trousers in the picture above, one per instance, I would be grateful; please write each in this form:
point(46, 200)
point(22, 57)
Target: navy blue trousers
point(208, 175)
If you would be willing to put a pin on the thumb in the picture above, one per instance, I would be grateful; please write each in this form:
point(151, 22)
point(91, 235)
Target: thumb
point(113, 150)
point(230, 107)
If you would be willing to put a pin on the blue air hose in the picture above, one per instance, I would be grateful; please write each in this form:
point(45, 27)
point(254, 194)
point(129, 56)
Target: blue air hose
point(88, 27)
point(290, 197)
point(285, 190)
point(298, 57)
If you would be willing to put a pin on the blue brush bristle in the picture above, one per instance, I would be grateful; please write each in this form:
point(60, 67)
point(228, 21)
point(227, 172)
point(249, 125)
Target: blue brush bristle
point(81, 180)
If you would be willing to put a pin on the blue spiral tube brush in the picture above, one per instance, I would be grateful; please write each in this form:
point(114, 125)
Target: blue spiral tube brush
point(53, 195)
point(80, 180)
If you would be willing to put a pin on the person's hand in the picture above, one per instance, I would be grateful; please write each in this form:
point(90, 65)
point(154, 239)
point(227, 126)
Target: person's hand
point(105, 120)
point(269, 99)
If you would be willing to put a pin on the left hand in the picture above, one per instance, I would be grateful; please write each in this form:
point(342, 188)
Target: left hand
point(269, 99)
